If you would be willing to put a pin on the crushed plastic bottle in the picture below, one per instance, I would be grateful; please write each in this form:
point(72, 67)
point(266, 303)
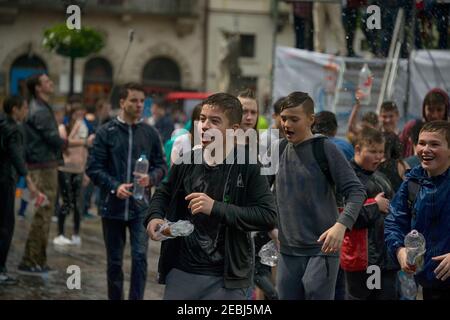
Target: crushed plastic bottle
point(38, 201)
point(365, 85)
point(415, 249)
point(269, 254)
point(170, 230)
point(141, 168)
point(408, 286)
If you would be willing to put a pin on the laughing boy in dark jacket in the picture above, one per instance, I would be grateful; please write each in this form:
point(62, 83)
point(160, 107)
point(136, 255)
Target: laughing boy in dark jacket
point(225, 200)
point(429, 213)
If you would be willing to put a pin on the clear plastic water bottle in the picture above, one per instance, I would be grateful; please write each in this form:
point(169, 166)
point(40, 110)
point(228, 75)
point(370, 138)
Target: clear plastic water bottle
point(365, 84)
point(408, 286)
point(269, 254)
point(170, 230)
point(140, 169)
point(415, 249)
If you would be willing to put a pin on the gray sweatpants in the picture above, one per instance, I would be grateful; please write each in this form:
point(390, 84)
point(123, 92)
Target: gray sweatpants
point(307, 278)
point(181, 285)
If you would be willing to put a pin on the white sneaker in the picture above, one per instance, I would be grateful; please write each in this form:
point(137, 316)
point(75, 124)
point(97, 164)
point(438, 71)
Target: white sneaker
point(76, 240)
point(61, 241)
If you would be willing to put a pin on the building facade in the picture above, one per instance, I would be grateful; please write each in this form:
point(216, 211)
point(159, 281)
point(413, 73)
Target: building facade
point(166, 51)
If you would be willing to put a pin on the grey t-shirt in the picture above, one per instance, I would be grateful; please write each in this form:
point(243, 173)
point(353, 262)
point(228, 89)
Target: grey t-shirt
point(306, 200)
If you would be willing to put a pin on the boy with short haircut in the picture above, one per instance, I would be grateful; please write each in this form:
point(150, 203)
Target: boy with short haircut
point(389, 117)
point(425, 210)
point(310, 227)
point(225, 201)
point(364, 245)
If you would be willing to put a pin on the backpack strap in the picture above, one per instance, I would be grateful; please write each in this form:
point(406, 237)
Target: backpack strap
point(321, 158)
point(413, 190)
point(282, 145)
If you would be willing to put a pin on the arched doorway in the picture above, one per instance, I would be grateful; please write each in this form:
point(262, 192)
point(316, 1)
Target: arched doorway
point(22, 68)
point(97, 80)
point(161, 75)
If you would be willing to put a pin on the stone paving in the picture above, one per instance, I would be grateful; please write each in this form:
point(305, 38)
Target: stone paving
point(90, 257)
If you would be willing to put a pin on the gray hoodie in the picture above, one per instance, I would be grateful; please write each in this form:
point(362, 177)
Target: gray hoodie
point(306, 200)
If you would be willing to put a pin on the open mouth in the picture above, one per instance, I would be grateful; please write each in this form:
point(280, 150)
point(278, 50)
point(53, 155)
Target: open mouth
point(427, 158)
point(289, 134)
point(207, 138)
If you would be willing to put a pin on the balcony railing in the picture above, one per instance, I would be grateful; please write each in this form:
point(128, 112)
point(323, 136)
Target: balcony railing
point(153, 7)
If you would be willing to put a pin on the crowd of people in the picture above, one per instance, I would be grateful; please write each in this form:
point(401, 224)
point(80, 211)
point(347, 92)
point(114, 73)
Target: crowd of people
point(312, 18)
point(333, 205)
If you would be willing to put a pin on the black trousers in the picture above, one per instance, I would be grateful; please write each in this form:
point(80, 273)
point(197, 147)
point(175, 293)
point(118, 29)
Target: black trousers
point(436, 294)
point(70, 191)
point(357, 287)
point(7, 197)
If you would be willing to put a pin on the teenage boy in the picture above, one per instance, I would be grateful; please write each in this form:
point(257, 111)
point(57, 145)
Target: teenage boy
point(364, 245)
point(310, 228)
point(427, 211)
point(224, 200)
point(12, 165)
point(389, 117)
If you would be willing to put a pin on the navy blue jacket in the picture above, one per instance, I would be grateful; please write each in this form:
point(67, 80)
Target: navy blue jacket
point(432, 219)
point(116, 148)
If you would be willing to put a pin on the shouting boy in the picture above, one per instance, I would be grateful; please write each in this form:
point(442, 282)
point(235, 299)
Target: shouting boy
point(225, 200)
point(310, 227)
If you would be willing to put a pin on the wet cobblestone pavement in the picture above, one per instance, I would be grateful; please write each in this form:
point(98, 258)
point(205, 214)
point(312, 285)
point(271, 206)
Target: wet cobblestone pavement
point(90, 257)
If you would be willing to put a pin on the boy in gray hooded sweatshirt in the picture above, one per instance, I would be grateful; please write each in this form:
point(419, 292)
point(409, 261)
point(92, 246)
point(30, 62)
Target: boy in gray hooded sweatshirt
point(310, 228)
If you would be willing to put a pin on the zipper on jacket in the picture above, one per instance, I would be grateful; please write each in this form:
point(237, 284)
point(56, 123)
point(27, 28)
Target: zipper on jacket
point(130, 146)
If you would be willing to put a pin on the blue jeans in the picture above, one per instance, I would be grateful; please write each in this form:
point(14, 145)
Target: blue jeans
point(114, 234)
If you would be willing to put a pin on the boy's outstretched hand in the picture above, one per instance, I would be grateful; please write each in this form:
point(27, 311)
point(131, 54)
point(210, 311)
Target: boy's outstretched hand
point(200, 203)
point(332, 238)
point(443, 270)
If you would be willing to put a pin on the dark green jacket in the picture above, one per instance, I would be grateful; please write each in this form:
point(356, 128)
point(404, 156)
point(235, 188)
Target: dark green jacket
point(251, 207)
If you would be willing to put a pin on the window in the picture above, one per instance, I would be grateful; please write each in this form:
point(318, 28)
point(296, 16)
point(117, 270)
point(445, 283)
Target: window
point(247, 45)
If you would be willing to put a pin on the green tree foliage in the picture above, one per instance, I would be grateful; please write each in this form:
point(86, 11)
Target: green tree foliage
point(73, 43)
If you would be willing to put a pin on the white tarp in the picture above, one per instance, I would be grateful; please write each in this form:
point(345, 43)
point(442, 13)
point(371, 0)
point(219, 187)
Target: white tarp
point(302, 70)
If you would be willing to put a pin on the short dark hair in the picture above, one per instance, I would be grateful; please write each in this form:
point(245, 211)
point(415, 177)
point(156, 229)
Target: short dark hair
point(123, 90)
point(325, 122)
point(389, 106)
point(229, 104)
point(247, 93)
point(32, 82)
point(296, 99)
point(371, 118)
point(368, 136)
point(11, 102)
point(277, 105)
point(440, 126)
point(415, 130)
point(434, 98)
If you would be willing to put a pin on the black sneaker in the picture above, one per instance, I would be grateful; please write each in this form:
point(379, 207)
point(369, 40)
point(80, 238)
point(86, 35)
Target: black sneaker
point(6, 279)
point(31, 271)
point(47, 269)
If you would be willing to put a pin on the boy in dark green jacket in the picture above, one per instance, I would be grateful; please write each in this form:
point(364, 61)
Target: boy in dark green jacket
point(225, 199)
